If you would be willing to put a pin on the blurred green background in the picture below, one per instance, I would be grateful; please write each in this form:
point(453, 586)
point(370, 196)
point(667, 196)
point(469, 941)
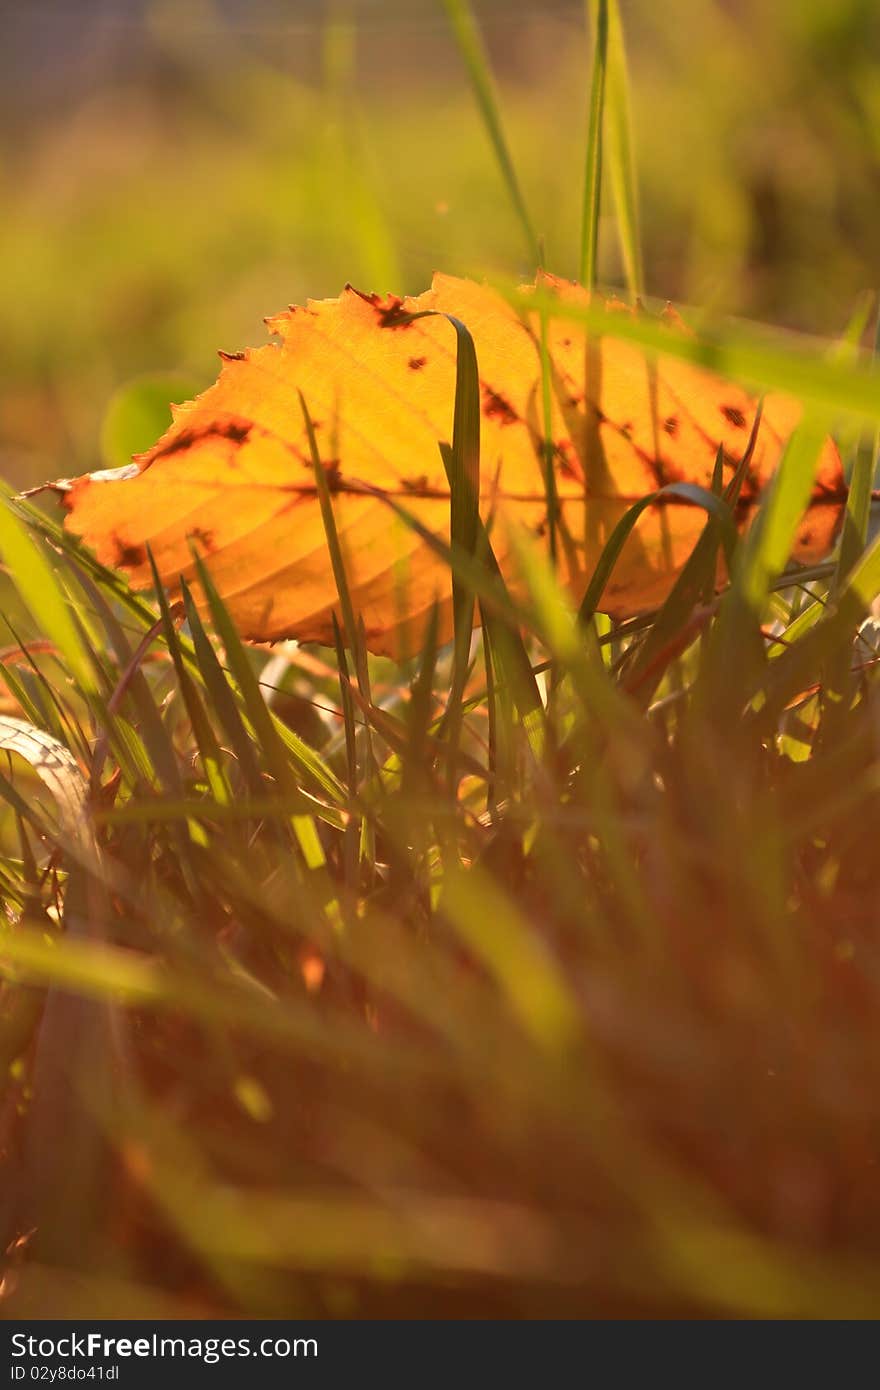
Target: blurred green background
point(174, 170)
point(346, 1122)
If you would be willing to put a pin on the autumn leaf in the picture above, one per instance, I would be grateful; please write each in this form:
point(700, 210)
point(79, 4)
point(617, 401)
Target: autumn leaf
point(234, 477)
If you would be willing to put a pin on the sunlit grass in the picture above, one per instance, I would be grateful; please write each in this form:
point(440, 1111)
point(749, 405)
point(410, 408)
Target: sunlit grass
point(534, 977)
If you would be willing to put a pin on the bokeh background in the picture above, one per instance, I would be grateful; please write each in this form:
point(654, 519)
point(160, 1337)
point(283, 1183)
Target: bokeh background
point(170, 172)
point(173, 170)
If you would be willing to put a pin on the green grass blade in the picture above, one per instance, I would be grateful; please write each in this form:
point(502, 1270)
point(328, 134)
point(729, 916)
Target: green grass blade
point(509, 948)
point(687, 492)
point(740, 352)
point(858, 503)
point(593, 164)
point(548, 449)
point(621, 153)
point(768, 544)
point(222, 697)
point(132, 756)
point(209, 749)
point(131, 683)
point(345, 163)
point(470, 46)
point(110, 581)
point(353, 635)
point(838, 683)
point(42, 592)
point(337, 559)
point(258, 712)
point(352, 831)
point(348, 719)
point(264, 724)
point(760, 558)
point(416, 757)
point(463, 470)
point(279, 743)
point(670, 627)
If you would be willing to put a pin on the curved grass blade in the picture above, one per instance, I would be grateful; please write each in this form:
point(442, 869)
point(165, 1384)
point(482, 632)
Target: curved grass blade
point(686, 492)
point(56, 767)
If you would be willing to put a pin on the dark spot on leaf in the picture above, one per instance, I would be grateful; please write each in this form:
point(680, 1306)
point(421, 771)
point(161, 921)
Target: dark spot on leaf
point(177, 445)
point(627, 429)
point(417, 363)
point(670, 424)
point(569, 464)
point(497, 407)
point(566, 342)
point(389, 311)
point(235, 430)
point(415, 484)
point(807, 536)
point(734, 415)
point(204, 537)
point(576, 399)
point(127, 554)
point(393, 315)
point(334, 477)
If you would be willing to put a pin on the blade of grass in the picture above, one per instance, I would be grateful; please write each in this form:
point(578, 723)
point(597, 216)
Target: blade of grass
point(838, 683)
point(470, 46)
point(99, 970)
point(209, 749)
point(132, 682)
point(508, 947)
point(760, 558)
point(621, 156)
point(337, 560)
point(222, 698)
point(463, 471)
point(695, 584)
point(356, 644)
point(110, 581)
point(686, 492)
point(351, 178)
point(352, 830)
point(56, 767)
point(732, 350)
point(272, 735)
point(672, 621)
point(258, 712)
point(263, 723)
point(593, 164)
point(498, 613)
point(40, 588)
point(797, 667)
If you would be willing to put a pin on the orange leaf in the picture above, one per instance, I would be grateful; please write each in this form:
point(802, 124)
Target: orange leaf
point(233, 475)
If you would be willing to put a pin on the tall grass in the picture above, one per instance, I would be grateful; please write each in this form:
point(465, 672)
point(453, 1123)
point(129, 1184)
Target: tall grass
point(334, 988)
